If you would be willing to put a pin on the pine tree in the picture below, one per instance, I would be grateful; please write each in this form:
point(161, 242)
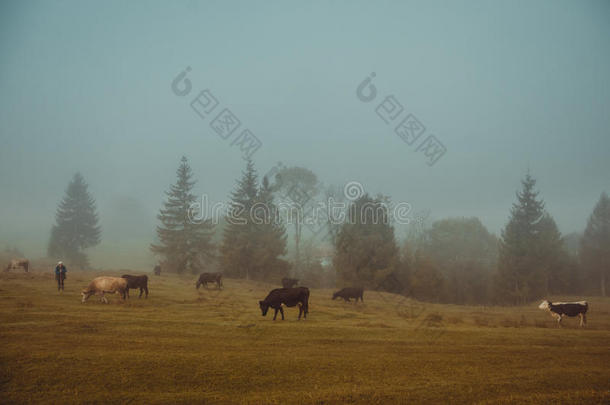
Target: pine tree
point(517, 258)
point(365, 247)
point(76, 227)
point(254, 237)
point(184, 243)
point(237, 249)
point(552, 257)
point(271, 236)
point(595, 244)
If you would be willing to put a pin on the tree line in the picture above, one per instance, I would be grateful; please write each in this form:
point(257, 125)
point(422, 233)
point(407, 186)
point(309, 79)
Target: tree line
point(454, 260)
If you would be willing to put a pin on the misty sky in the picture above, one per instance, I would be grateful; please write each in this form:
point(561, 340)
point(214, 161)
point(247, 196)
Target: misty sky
point(505, 85)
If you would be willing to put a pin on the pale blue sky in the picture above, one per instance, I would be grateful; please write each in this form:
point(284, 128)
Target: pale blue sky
point(504, 85)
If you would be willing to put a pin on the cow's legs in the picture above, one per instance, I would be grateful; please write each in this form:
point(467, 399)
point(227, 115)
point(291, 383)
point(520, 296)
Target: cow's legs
point(300, 310)
point(583, 319)
point(146, 290)
point(103, 299)
point(282, 312)
point(559, 320)
point(275, 314)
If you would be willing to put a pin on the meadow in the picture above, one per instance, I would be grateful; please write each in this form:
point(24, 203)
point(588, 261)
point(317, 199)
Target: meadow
point(186, 346)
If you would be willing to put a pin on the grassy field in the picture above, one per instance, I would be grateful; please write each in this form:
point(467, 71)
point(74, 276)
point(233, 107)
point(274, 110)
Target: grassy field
point(184, 346)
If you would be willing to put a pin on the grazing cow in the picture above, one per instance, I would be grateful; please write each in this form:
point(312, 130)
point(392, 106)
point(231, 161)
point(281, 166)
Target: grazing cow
point(289, 297)
point(16, 263)
point(140, 282)
point(289, 282)
point(205, 278)
point(350, 292)
point(559, 309)
point(103, 285)
point(157, 270)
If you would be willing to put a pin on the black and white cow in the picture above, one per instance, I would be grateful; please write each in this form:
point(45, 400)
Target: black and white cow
point(559, 309)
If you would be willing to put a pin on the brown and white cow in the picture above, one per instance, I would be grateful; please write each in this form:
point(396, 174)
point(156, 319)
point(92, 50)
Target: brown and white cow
point(16, 263)
point(559, 309)
point(103, 285)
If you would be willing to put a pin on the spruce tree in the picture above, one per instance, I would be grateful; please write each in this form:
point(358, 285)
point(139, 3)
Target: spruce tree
point(552, 258)
point(76, 227)
point(271, 236)
point(595, 244)
point(517, 258)
point(237, 249)
point(254, 237)
point(365, 247)
point(184, 244)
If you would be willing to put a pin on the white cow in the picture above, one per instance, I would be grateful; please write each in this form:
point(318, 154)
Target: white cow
point(102, 285)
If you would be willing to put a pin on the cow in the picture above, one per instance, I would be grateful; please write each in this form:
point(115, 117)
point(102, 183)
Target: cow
point(205, 278)
point(350, 292)
point(16, 263)
point(559, 309)
point(103, 285)
point(289, 282)
point(289, 297)
point(157, 270)
point(140, 282)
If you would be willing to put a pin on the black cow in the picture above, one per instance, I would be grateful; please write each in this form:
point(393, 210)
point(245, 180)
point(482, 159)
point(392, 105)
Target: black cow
point(350, 292)
point(205, 278)
point(289, 282)
point(289, 297)
point(559, 309)
point(157, 270)
point(140, 282)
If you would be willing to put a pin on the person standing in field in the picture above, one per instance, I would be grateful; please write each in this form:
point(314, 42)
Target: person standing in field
point(60, 275)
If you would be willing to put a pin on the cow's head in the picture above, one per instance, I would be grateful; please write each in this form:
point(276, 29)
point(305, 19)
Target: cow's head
point(85, 294)
point(264, 307)
point(544, 305)
point(335, 295)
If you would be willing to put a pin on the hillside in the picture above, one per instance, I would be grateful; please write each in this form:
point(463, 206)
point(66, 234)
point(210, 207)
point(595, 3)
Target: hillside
point(185, 346)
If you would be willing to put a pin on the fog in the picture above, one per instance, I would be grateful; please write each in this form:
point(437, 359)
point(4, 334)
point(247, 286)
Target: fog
point(506, 87)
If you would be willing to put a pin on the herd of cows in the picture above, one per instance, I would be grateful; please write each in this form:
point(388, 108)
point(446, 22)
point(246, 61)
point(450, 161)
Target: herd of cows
point(289, 295)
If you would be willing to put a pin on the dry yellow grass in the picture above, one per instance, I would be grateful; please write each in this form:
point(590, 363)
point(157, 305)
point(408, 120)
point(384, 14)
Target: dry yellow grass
point(184, 346)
